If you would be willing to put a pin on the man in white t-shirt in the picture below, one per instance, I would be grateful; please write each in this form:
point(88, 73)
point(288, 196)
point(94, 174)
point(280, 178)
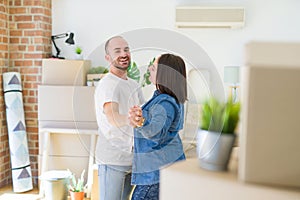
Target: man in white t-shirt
point(114, 95)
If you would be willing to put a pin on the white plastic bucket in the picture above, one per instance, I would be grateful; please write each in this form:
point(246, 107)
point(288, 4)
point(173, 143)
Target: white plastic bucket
point(55, 184)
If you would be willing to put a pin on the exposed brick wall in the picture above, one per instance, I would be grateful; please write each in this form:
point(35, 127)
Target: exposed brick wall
point(29, 40)
point(5, 172)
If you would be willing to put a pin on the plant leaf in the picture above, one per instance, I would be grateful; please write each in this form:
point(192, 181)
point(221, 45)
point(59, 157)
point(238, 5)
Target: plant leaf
point(98, 70)
point(146, 80)
point(77, 186)
point(133, 72)
point(219, 116)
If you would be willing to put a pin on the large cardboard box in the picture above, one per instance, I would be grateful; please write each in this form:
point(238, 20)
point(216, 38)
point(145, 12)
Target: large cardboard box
point(65, 72)
point(59, 105)
point(270, 139)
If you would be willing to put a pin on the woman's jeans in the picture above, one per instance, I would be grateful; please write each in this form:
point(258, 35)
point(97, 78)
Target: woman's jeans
point(114, 182)
point(146, 192)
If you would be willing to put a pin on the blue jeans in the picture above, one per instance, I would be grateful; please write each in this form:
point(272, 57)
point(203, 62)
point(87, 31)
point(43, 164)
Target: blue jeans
point(146, 192)
point(114, 182)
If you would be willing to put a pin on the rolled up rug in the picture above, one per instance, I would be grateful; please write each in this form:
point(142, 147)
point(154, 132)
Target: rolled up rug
point(17, 137)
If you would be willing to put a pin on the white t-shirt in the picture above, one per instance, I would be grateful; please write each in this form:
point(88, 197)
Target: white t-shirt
point(115, 144)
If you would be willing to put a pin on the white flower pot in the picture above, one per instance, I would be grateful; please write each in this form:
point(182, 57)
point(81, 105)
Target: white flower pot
point(214, 149)
point(78, 57)
point(89, 83)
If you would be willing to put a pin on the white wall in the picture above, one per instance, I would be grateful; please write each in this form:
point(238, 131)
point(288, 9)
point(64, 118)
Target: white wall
point(94, 21)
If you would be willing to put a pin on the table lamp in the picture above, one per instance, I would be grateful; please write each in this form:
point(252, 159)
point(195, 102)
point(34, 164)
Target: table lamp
point(232, 78)
point(70, 41)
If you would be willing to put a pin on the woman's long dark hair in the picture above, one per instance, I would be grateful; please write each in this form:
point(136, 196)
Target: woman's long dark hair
point(171, 77)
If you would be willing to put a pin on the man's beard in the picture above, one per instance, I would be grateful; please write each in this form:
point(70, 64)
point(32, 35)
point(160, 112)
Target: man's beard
point(121, 68)
point(116, 64)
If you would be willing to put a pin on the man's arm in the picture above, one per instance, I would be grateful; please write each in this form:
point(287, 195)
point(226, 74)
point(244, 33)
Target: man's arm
point(111, 110)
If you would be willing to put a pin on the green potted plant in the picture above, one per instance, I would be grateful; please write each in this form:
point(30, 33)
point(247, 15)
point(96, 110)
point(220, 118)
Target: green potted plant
point(96, 73)
point(76, 188)
point(78, 53)
point(216, 135)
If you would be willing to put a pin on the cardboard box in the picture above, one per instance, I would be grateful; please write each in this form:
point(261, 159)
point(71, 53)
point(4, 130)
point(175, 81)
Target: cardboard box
point(66, 104)
point(186, 180)
point(95, 76)
point(269, 139)
point(64, 72)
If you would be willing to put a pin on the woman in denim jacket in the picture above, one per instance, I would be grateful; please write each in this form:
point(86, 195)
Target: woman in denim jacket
point(156, 139)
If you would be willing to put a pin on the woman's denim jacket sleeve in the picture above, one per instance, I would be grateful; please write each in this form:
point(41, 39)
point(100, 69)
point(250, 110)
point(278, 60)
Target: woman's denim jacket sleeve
point(157, 143)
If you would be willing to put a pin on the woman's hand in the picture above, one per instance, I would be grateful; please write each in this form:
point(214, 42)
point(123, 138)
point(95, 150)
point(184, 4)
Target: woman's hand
point(136, 118)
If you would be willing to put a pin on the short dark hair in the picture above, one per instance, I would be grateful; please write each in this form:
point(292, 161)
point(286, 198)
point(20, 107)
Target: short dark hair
point(107, 42)
point(171, 77)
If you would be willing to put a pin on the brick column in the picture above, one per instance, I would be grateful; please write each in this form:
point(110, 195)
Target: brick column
point(5, 172)
point(29, 35)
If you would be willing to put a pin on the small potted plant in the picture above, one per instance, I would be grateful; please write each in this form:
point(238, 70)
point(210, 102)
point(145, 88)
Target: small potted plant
point(96, 81)
point(89, 82)
point(76, 188)
point(216, 135)
point(78, 53)
point(96, 73)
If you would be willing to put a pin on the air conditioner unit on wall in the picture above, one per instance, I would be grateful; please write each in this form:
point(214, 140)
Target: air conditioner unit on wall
point(209, 17)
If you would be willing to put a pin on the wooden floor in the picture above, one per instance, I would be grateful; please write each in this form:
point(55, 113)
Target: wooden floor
point(8, 190)
point(6, 193)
